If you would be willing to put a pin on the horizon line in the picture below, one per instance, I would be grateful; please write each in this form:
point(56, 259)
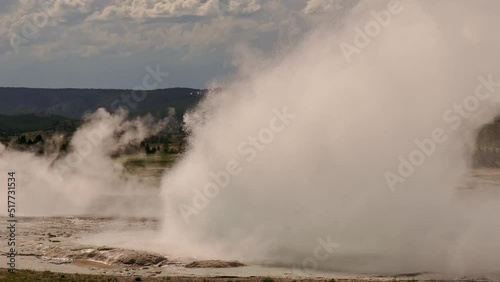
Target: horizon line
point(83, 88)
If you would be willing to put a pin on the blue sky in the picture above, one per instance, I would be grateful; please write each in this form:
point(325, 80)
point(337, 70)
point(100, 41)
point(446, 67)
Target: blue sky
point(109, 43)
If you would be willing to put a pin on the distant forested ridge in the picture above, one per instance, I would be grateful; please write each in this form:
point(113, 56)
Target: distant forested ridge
point(37, 111)
point(17, 124)
point(74, 103)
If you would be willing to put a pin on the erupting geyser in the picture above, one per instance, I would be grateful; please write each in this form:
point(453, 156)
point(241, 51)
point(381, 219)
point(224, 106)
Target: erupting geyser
point(352, 167)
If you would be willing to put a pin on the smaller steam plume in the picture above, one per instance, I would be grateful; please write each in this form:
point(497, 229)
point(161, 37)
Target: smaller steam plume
point(86, 179)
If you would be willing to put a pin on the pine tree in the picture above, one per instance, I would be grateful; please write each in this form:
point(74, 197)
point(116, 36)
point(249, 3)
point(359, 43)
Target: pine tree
point(21, 140)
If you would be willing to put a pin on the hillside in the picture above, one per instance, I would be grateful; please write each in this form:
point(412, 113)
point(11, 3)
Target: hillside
point(16, 124)
point(74, 103)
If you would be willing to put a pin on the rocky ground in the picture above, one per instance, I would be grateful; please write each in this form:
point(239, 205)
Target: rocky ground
point(58, 244)
point(29, 275)
point(56, 248)
point(65, 249)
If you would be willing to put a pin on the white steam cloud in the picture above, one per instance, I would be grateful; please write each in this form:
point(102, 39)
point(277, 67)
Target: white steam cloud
point(86, 180)
point(257, 188)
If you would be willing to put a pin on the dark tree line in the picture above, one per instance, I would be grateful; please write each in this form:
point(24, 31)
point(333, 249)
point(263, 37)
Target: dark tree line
point(165, 143)
point(23, 141)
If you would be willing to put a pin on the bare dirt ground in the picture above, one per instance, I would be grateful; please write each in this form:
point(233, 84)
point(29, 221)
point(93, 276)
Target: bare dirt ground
point(69, 248)
point(53, 243)
point(29, 275)
point(72, 245)
point(65, 249)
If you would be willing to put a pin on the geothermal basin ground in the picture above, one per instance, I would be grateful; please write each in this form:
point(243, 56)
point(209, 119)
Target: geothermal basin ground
point(72, 245)
point(123, 247)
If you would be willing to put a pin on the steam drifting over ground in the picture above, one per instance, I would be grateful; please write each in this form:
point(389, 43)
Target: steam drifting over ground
point(351, 152)
point(260, 187)
point(55, 184)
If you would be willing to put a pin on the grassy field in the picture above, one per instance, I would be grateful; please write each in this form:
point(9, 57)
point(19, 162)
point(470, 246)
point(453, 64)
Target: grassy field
point(157, 160)
point(149, 166)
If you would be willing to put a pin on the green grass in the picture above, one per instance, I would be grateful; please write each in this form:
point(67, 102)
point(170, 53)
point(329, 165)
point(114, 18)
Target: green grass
point(156, 160)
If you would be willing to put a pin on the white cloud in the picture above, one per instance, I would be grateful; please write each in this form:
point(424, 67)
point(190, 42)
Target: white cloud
point(143, 9)
point(321, 6)
point(122, 28)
